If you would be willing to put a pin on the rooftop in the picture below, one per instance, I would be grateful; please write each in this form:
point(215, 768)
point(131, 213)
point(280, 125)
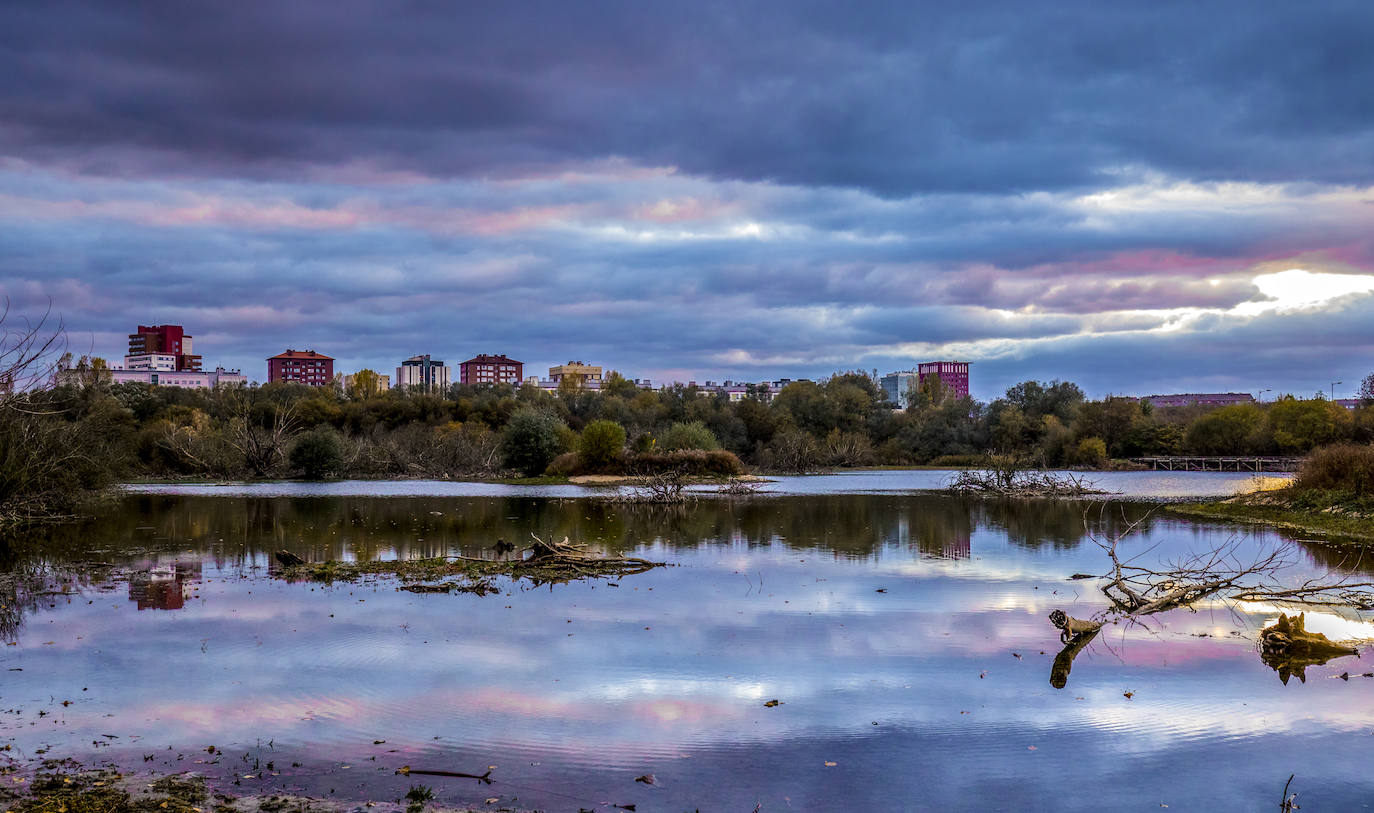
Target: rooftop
point(301, 354)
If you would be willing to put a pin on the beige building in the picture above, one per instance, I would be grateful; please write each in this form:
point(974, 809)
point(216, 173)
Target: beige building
point(380, 382)
point(575, 370)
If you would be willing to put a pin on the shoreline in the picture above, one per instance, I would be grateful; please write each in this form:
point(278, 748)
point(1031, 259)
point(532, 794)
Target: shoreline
point(1276, 509)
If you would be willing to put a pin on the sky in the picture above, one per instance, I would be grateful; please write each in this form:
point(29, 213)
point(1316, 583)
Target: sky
point(1140, 198)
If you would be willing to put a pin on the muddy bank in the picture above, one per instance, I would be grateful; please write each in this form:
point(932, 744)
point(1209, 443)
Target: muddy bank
point(65, 786)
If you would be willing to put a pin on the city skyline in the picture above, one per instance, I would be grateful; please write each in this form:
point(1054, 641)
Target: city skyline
point(1163, 198)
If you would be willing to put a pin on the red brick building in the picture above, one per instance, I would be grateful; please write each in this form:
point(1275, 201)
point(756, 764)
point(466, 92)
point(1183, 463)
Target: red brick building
point(170, 340)
point(486, 369)
point(953, 374)
point(301, 366)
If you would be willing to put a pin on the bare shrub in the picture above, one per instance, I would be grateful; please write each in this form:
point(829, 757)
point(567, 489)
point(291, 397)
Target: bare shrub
point(1347, 467)
point(1006, 476)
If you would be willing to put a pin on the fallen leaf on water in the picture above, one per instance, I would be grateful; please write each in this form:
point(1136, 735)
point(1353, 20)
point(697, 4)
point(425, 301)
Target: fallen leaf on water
point(1128, 695)
point(647, 779)
point(1030, 747)
point(771, 703)
point(831, 764)
point(493, 800)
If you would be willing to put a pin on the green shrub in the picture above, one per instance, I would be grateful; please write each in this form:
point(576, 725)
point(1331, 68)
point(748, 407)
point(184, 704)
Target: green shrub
point(692, 435)
point(1091, 452)
point(1347, 467)
point(531, 440)
point(602, 445)
point(317, 453)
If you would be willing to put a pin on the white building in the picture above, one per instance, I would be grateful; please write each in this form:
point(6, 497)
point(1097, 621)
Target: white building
point(898, 387)
point(161, 362)
point(208, 379)
point(423, 371)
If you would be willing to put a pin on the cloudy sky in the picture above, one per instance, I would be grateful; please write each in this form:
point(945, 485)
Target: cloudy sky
point(1170, 197)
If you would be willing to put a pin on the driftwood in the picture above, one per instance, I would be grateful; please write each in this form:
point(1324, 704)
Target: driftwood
point(1136, 592)
point(1288, 648)
point(406, 770)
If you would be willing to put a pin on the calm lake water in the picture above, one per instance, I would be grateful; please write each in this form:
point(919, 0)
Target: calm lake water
point(903, 634)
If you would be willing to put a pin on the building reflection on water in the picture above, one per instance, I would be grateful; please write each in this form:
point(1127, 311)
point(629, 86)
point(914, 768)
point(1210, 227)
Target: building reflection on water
point(164, 585)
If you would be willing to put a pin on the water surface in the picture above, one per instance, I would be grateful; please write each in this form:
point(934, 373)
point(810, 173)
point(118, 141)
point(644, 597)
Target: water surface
point(904, 636)
point(1123, 484)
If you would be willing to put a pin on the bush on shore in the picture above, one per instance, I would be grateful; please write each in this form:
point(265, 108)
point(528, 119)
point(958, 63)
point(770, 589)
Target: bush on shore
point(602, 445)
point(1341, 467)
point(696, 462)
point(531, 441)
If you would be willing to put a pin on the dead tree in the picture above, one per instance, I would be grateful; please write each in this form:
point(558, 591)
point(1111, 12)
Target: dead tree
point(29, 355)
point(261, 440)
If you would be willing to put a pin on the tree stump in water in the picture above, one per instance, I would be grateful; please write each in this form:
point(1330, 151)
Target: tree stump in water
point(1288, 648)
point(289, 559)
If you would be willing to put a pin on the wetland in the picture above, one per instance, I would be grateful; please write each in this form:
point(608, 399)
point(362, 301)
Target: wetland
point(903, 634)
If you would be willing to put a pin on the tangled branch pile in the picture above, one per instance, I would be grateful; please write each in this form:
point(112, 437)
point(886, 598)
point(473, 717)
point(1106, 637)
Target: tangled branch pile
point(998, 482)
point(659, 488)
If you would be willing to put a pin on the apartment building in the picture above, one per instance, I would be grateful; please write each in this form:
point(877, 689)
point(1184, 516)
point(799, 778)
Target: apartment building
point(423, 371)
point(488, 369)
point(577, 370)
point(953, 374)
point(302, 367)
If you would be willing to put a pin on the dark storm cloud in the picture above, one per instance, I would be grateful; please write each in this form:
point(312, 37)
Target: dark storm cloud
point(901, 99)
point(744, 189)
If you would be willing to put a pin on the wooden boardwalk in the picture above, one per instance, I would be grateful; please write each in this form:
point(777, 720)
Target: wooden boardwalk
point(1220, 463)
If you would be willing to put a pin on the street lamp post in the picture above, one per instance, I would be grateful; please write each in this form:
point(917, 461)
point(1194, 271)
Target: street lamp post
point(1262, 392)
point(1333, 389)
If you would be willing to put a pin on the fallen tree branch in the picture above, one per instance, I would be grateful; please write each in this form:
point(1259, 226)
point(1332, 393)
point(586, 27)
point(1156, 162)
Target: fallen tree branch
point(1136, 592)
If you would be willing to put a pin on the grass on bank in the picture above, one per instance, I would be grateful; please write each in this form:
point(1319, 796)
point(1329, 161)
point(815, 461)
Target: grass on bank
point(1331, 496)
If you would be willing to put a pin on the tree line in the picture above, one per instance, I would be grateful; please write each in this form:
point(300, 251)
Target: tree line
point(486, 430)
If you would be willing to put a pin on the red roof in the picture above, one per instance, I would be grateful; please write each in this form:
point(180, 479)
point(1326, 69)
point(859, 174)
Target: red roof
point(485, 359)
point(301, 354)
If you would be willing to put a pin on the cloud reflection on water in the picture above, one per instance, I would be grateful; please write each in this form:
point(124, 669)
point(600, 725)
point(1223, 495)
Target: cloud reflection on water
point(757, 608)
